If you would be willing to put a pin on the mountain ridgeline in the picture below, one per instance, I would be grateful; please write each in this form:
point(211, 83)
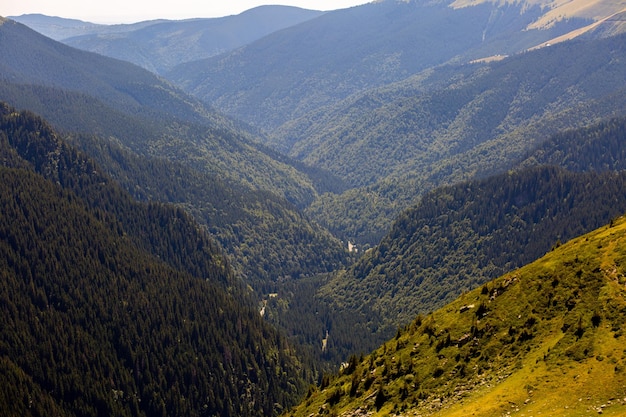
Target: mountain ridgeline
point(112, 307)
point(290, 73)
point(145, 113)
point(159, 45)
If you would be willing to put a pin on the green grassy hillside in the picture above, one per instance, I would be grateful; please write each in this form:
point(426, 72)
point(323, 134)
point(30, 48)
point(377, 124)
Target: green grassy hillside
point(546, 339)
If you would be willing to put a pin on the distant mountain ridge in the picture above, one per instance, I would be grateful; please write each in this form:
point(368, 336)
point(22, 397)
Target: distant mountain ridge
point(288, 74)
point(58, 28)
point(160, 45)
point(31, 58)
point(164, 111)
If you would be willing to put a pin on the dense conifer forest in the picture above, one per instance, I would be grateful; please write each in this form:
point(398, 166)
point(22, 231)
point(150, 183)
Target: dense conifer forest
point(112, 307)
point(267, 237)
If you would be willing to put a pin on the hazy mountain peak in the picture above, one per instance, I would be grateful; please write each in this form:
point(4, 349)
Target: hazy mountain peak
point(159, 45)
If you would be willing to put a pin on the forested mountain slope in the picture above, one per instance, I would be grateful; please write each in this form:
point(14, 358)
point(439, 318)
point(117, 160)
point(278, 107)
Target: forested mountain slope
point(247, 196)
point(111, 307)
point(267, 239)
point(597, 147)
point(452, 124)
point(449, 112)
point(30, 143)
point(295, 71)
point(458, 237)
point(30, 58)
point(546, 339)
point(162, 44)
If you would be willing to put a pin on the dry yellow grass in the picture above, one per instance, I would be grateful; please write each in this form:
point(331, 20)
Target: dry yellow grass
point(557, 10)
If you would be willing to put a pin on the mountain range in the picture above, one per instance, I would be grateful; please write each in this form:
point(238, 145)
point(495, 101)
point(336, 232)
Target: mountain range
point(371, 133)
point(295, 71)
point(451, 124)
point(326, 182)
point(159, 45)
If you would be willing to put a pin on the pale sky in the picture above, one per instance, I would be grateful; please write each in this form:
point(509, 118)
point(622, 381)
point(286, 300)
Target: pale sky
point(128, 11)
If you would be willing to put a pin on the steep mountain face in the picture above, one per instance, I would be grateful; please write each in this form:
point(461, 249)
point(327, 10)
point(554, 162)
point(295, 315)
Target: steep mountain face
point(111, 307)
point(459, 237)
point(442, 113)
point(544, 339)
point(160, 45)
point(293, 72)
point(268, 239)
point(449, 125)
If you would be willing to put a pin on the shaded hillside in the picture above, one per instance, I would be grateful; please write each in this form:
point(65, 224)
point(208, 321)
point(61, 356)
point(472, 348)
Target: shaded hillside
point(30, 143)
point(248, 196)
point(397, 143)
point(159, 45)
point(31, 58)
point(545, 339)
point(110, 307)
point(598, 147)
point(295, 71)
point(267, 238)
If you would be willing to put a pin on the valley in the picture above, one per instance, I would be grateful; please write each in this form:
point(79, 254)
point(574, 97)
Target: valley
point(358, 201)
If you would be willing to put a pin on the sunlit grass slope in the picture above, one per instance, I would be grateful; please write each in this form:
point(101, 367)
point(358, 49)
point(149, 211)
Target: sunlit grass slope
point(547, 339)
